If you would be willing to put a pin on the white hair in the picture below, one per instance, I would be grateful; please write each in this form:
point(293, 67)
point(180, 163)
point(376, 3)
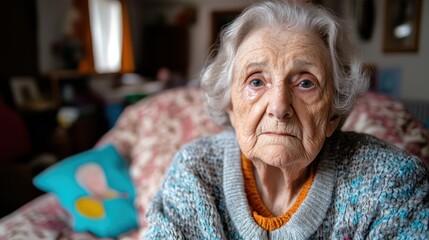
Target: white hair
point(348, 77)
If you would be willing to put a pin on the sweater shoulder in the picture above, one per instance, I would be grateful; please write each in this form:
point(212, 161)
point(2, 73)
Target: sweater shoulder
point(371, 156)
point(203, 153)
point(208, 146)
point(380, 190)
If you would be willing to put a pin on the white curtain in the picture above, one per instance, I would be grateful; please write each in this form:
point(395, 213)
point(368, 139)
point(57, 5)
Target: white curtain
point(106, 32)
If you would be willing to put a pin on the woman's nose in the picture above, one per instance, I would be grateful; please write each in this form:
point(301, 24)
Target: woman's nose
point(280, 105)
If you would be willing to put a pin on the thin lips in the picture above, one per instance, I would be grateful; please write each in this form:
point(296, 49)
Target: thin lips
point(280, 133)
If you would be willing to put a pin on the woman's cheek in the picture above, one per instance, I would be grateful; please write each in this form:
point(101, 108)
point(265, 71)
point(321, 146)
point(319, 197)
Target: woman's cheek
point(309, 98)
point(250, 94)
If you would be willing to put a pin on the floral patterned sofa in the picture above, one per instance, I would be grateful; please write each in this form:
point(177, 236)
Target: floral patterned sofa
point(149, 132)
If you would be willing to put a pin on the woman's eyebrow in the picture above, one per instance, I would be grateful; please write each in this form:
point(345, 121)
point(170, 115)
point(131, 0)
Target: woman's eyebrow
point(302, 64)
point(314, 67)
point(305, 65)
point(253, 64)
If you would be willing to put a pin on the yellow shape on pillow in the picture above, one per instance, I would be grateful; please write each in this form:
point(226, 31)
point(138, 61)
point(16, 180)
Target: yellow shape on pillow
point(90, 207)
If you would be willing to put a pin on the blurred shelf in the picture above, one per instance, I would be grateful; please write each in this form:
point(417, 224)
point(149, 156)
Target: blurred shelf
point(56, 77)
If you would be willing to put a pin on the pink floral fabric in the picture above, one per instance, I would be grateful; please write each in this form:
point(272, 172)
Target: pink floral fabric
point(151, 131)
point(387, 119)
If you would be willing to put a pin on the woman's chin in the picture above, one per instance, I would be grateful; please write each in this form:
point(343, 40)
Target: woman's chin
point(283, 156)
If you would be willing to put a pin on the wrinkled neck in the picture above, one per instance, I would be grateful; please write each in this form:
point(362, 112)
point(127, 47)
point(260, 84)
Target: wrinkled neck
point(279, 187)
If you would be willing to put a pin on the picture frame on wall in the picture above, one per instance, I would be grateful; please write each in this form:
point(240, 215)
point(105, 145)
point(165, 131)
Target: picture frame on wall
point(24, 90)
point(401, 25)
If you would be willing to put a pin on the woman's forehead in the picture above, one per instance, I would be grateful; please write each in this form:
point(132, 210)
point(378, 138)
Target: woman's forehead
point(264, 43)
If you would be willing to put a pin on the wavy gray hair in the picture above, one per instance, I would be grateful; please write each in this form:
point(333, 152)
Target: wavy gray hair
point(349, 79)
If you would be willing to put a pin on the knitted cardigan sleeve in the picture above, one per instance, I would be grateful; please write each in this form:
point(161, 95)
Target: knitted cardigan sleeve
point(184, 208)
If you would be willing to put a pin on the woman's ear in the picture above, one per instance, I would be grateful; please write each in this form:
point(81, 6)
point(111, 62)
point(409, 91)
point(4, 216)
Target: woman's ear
point(332, 125)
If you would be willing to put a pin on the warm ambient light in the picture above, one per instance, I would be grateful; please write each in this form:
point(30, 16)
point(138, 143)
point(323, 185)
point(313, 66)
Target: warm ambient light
point(106, 32)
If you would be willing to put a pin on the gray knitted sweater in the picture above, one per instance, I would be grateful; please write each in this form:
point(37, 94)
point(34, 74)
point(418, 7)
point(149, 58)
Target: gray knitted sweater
point(363, 189)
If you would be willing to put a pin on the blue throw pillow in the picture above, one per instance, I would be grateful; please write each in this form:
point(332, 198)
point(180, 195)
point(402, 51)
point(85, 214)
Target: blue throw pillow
point(96, 189)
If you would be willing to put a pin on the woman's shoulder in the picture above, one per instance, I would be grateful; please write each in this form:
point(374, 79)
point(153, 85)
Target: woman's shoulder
point(376, 156)
point(206, 150)
point(225, 136)
point(378, 187)
point(210, 144)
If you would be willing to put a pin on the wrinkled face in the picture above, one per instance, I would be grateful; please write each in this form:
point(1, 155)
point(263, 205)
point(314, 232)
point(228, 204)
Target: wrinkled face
point(281, 97)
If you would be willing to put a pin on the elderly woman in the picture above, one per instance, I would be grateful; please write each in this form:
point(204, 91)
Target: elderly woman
point(283, 79)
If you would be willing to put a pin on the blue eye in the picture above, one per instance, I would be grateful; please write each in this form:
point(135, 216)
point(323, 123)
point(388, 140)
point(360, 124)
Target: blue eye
point(256, 83)
point(306, 84)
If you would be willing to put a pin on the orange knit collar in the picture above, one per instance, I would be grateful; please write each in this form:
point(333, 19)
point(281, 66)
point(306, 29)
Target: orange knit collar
point(261, 214)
